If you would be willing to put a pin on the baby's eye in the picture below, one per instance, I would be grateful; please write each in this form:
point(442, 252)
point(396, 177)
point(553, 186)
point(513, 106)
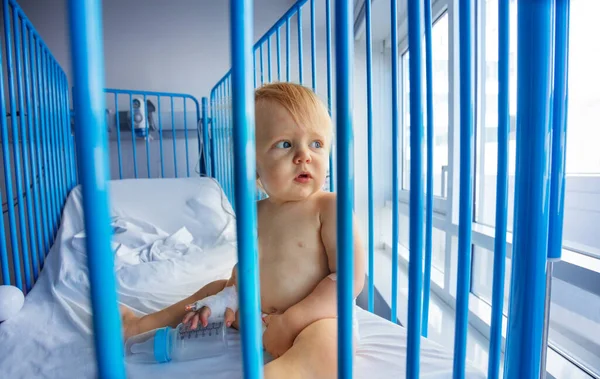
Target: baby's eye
point(316, 144)
point(283, 145)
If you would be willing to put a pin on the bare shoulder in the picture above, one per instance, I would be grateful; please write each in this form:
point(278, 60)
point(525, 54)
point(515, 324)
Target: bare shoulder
point(327, 201)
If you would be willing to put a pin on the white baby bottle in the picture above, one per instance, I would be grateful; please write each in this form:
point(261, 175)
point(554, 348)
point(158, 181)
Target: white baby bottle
point(177, 344)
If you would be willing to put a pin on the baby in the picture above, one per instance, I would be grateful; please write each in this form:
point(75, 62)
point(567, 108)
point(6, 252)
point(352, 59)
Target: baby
point(297, 241)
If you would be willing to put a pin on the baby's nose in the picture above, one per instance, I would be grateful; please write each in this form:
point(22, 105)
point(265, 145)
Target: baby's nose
point(302, 157)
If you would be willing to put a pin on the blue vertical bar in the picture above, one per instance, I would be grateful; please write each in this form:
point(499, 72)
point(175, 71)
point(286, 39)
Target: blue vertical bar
point(185, 133)
point(60, 131)
point(118, 127)
point(344, 51)
point(34, 234)
point(37, 153)
point(208, 140)
point(395, 148)
point(269, 59)
point(133, 142)
point(300, 59)
point(53, 138)
point(147, 136)
point(534, 78)
point(370, 152)
point(287, 50)
point(262, 67)
point(68, 130)
point(26, 234)
point(501, 191)
point(559, 128)
point(51, 141)
point(254, 72)
point(86, 49)
point(202, 140)
point(5, 150)
point(217, 131)
point(415, 267)
point(160, 136)
point(429, 200)
point(466, 186)
point(313, 46)
point(329, 86)
point(245, 186)
point(229, 137)
point(66, 127)
point(278, 37)
point(174, 139)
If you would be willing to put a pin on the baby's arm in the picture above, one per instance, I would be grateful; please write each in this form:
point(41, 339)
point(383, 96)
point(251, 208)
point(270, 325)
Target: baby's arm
point(321, 303)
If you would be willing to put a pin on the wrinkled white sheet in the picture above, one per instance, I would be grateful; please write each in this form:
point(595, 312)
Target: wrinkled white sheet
point(172, 236)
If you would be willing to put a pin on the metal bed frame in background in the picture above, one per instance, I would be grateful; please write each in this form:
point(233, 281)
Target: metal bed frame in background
point(541, 114)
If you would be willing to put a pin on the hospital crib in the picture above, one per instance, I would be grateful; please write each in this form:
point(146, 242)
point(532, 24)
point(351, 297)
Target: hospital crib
point(54, 150)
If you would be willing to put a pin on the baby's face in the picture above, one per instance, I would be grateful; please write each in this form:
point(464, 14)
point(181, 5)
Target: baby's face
point(291, 159)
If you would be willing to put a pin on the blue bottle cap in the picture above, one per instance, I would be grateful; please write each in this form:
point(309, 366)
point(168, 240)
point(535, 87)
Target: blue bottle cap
point(162, 345)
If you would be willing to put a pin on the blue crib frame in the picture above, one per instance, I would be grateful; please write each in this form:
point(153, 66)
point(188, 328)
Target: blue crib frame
point(226, 142)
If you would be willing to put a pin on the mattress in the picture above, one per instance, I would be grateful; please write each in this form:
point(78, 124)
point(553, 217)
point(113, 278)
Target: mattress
point(171, 237)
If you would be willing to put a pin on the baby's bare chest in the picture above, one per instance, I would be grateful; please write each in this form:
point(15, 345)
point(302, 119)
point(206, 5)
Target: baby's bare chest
point(290, 234)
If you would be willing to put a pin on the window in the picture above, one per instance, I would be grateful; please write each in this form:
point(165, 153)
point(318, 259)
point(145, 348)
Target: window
point(439, 47)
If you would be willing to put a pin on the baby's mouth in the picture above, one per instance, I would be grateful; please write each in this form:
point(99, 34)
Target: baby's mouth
point(303, 177)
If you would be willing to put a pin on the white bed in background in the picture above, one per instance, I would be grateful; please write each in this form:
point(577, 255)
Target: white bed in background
point(191, 228)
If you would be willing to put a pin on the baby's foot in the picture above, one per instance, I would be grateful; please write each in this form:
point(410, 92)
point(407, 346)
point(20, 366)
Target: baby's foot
point(130, 322)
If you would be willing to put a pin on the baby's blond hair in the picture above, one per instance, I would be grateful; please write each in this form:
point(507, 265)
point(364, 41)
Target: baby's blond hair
point(302, 103)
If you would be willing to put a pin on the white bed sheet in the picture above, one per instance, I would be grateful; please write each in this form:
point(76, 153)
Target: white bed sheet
point(173, 237)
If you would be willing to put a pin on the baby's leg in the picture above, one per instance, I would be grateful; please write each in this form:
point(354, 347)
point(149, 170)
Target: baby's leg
point(313, 355)
point(170, 316)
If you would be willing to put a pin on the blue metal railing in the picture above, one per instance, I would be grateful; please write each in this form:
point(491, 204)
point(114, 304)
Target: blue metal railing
point(36, 142)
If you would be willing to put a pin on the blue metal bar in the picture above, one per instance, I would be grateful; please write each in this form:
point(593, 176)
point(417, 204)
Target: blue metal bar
point(174, 139)
point(300, 55)
point(278, 55)
point(148, 93)
point(62, 128)
point(59, 131)
point(415, 267)
point(526, 309)
point(66, 126)
point(133, 143)
point(245, 186)
point(68, 131)
point(86, 49)
point(37, 159)
point(501, 191)
point(466, 187)
point(208, 140)
point(269, 60)
point(220, 129)
point(329, 86)
point(160, 136)
point(185, 134)
point(147, 136)
point(36, 243)
point(344, 54)
point(313, 46)
point(118, 127)
point(53, 172)
point(228, 139)
point(202, 141)
point(29, 250)
point(395, 149)
point(370, 152)
point(559, 128)
point(429, 200)
point(262, 67)
point(5, 150)
point(254, 72)
point(287, 50)
point(54, 139)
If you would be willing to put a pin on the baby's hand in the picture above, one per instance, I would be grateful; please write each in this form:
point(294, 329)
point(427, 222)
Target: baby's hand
point(278, 337)
point(202, 316)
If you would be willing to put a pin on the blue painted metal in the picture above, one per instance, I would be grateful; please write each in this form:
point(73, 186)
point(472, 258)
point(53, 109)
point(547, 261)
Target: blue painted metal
point(133, 144)
point(85, 19)
point(208, 140)
point(245, 186)
point(174, 137)
point(429, 200)
point(160, 136)
point(532, 189)
point(278, 37)
point(60, 131)
point(262, 68)
point(559, 128)
point(185, 134)
point(371, 275)
point(6, 156)
point(313, 46)
point(68, 131)
point(202, 140)
point(344, 55)
point(466, 187)
point(269, 60)
point(395, 149)
point(501, 191)
point(118, 127)
point(65, 126)
point(300, 52)
point(148, 134)
point(415, 267)
point(329, 86)
point(287, 50)
point(29, 250)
